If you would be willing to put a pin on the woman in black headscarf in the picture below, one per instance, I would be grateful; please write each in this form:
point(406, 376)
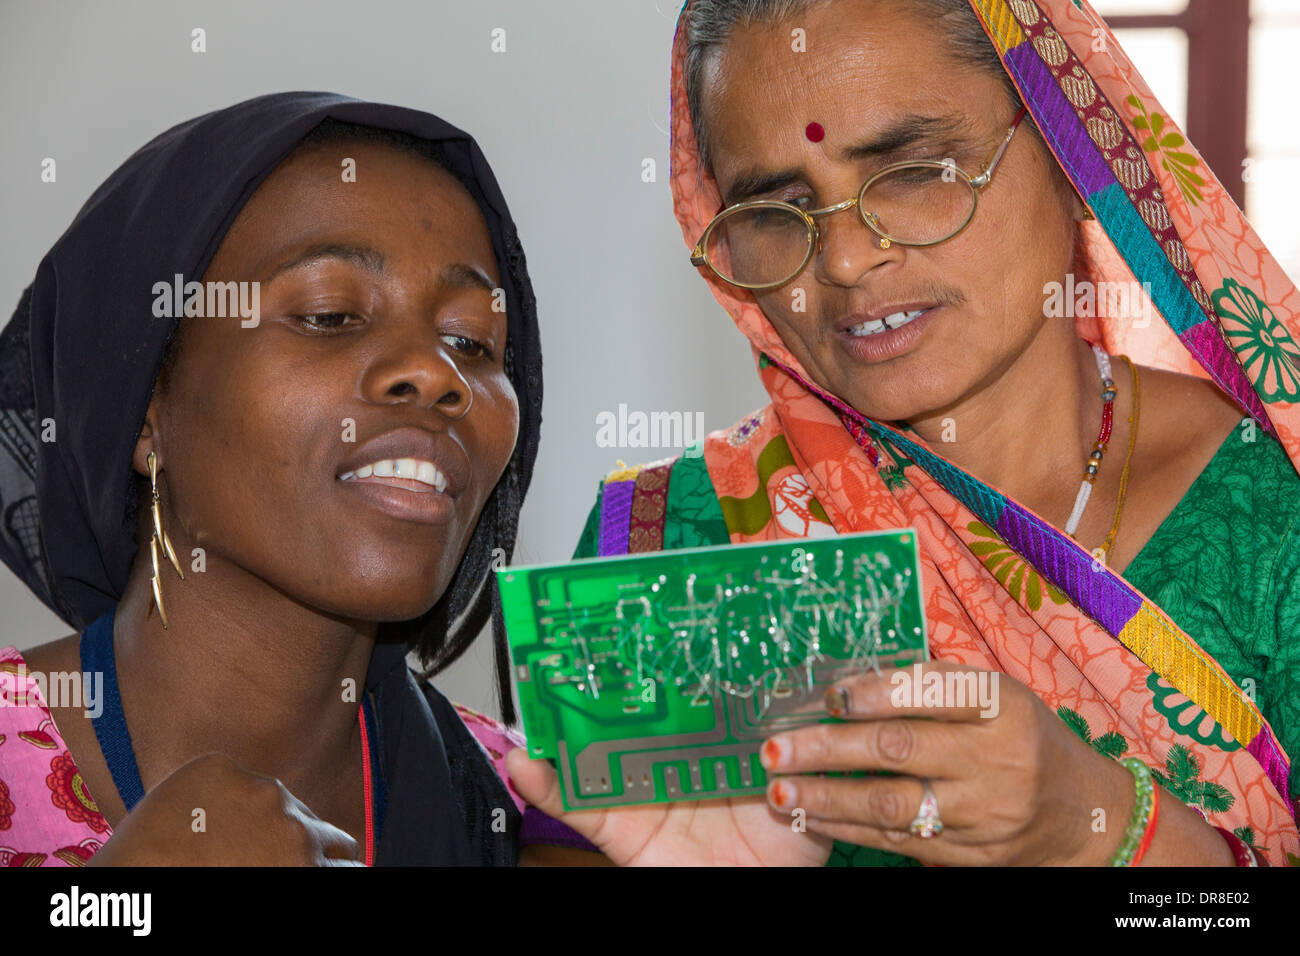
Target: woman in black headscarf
point(252, 515)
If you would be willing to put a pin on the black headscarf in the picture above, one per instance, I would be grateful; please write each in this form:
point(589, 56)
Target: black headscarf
point(79, 358)
point(78, 362)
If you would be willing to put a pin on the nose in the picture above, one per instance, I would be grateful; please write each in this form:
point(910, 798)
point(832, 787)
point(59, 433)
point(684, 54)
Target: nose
point(848, 249)
point(421, 372)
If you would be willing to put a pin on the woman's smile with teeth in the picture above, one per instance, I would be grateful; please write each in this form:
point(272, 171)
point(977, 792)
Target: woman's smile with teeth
point(895, 321)
point(414, 469)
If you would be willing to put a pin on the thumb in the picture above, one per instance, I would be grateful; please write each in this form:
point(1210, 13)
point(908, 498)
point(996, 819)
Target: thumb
point(539, 784)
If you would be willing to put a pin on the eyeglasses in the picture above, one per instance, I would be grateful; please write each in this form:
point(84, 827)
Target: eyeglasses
point(765, 243)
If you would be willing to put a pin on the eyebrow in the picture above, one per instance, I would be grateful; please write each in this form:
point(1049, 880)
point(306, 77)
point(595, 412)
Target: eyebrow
point(464, 276)
point(371, 260)
point(458, 274)
point(905, 133)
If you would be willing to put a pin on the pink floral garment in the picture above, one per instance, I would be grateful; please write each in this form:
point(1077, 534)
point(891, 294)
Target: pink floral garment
point(498, 740)
point(48, 816)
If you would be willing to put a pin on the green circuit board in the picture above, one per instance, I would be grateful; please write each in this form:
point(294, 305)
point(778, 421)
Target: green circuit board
point(656, 677)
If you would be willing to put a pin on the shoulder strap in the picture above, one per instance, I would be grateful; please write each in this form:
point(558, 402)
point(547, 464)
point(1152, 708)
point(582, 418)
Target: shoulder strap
point(110, 725)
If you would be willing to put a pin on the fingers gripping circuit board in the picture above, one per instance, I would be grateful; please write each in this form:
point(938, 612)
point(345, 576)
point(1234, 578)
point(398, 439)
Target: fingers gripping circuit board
point(656, 677)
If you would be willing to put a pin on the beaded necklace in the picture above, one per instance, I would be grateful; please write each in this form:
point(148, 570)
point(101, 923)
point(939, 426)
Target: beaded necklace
point(1093, 464)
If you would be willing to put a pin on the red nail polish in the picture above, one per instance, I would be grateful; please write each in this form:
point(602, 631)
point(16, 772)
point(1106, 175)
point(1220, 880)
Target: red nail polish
point(772, 752)
point(837, 701)
point(778, 793)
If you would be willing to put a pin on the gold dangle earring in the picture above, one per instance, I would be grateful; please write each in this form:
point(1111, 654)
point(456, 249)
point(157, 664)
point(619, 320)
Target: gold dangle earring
point(160, 540)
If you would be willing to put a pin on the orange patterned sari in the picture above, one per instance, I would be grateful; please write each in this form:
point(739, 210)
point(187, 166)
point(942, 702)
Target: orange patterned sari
point(1226, 312)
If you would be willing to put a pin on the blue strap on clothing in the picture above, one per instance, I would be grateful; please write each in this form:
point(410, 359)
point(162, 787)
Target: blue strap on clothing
point(110, 725)
point(115, 739)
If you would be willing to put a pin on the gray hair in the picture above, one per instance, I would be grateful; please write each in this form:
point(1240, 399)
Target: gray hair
point(710, 23)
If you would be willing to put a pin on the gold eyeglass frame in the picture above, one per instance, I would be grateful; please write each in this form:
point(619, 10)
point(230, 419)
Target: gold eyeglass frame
point(810, 216)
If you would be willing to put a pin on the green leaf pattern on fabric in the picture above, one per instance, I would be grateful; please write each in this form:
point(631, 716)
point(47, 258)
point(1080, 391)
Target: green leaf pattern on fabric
point(1111, 744)
point(1012, 571)
point(1181, 777)
point(1247, 836)
point(1267, 352)
point(1168, 144)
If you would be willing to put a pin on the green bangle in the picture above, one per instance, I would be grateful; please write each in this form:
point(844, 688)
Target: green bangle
point(1141, 816)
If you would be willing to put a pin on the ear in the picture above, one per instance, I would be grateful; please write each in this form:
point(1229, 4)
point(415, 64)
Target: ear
point(148, 440)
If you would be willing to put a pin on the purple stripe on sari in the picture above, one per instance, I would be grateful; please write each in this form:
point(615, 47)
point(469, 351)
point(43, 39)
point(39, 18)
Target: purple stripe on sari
point(1058, 121)
point(615, 517)
point(1099, 594)
point(1264, 748)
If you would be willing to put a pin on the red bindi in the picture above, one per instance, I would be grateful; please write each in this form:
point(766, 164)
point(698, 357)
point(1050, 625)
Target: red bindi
point(815, 132)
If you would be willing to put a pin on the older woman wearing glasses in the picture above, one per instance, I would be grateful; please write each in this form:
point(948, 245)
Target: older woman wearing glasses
point(1108, 510)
